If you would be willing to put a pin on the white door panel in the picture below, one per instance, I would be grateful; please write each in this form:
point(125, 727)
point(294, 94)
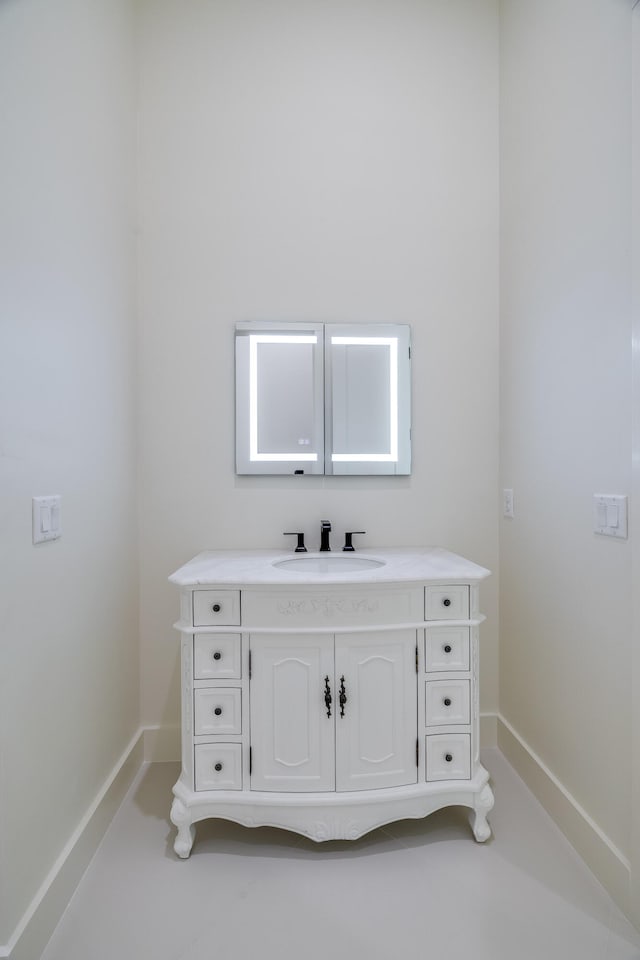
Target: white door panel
point(292, 738)
point(376, 736)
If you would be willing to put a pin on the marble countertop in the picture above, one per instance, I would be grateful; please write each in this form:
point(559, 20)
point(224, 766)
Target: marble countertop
point(256, 568)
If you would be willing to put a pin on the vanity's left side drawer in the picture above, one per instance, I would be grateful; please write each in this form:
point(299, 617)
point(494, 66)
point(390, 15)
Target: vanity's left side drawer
point(217, 656)
point(218, 766)
point(216, 608)
point(217, 710)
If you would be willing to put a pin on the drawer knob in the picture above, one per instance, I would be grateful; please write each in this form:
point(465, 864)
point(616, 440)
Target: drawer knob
point(447, 648)
point(448, 757)
point(218, 767)
point(217, 655)
point(218, 711)
point(216, 608)
point(445, 603)
point(447, 701)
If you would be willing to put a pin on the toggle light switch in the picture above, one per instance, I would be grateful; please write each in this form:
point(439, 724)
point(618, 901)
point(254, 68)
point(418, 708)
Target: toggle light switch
point(45, 518)
point(610, 515)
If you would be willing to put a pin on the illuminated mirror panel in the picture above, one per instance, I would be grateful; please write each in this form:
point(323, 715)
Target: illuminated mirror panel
point(315, 398)
point(279, 399)
point(367, 420)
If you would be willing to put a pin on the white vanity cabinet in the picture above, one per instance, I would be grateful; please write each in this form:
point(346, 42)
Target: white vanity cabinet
point(329, 702)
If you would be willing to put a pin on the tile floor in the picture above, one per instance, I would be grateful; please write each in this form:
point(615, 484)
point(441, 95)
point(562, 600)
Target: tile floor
point(415, 889)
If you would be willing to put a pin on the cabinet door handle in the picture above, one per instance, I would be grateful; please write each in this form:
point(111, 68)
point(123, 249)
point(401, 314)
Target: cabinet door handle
point(343, 696)
point(327, 696)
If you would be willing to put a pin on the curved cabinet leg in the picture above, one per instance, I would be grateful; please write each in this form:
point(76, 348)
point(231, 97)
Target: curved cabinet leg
point(483, 803)
point(181, 818)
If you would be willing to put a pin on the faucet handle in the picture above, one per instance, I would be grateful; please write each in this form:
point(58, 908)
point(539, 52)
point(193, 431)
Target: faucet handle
point(325, 530)
point(300, 547)
point(347, 539)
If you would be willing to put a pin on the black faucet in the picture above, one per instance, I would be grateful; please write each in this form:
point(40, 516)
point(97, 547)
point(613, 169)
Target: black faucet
point(325, 530)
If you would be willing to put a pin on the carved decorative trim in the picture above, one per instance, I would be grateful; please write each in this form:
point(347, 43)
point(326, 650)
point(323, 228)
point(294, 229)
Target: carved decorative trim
point(475, 671)
point(187, 684)
point(483, 803)
point(475, 686)
point(335, 829)
point(327, 606)
point(180, 817)
point(485, 799)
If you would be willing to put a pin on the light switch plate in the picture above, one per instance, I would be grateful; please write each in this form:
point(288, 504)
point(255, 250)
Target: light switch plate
point(46, 521)
point(507, 503)
point(610, 515)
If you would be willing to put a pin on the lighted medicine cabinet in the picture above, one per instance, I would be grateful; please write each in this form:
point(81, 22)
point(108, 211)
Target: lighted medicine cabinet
point(314, 398)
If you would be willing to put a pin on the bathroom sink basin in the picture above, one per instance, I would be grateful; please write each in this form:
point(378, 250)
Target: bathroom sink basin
point(331, 564)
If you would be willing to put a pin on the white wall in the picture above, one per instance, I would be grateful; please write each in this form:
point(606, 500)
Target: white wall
point(565, 612)
point(330, 161)
point(334, 161)
point(68, 609)
point(635, 502)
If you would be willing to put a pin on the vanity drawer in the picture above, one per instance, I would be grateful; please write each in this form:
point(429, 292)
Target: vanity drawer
point(446, 648)
point(213, 608)
point(217, 710)
point(217, 656)
point(218, 766)
point(448, 756)
point(446, 701)
point(447, 602)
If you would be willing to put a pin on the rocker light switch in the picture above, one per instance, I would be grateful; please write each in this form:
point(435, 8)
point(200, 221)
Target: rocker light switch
point(46, 518)
point(610, 515)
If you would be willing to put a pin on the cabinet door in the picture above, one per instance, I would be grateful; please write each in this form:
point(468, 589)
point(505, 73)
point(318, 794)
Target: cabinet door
point(376, 737)
point(292, 738)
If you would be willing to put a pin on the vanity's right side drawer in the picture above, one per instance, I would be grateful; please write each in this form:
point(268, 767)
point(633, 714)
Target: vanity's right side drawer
point(446, 602)
point(448, 756)
point(446, 648)
point(447, 702)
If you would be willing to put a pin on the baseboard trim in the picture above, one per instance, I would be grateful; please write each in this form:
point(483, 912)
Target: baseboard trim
point(604, 859)
point(162, 743)
point(45, 910)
